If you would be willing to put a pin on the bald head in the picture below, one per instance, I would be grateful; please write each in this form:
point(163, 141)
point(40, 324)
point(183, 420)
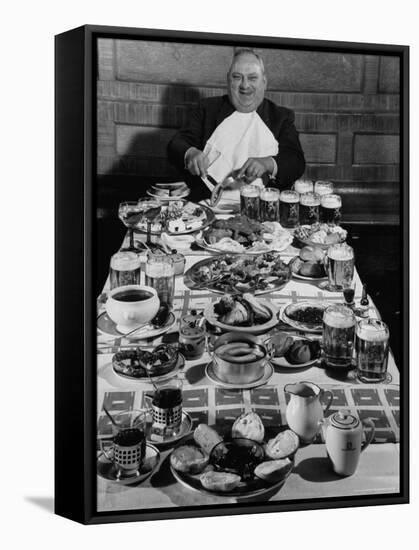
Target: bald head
point(246, 81)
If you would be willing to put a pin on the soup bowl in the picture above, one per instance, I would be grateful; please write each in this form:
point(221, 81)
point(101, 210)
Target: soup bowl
point(131, 306)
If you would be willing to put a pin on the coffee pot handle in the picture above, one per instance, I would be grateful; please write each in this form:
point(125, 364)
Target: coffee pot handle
point(368, 423)
point(329, 395)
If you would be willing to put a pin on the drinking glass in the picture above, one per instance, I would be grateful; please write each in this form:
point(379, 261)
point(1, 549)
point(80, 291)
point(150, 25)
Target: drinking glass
point(160, 274)
point(250, 201)
point(322, 187)
point(289, 208)
point(192, 336)
point(130, 214)
point(371, 350)
point(309, 208)
point(166, 408)
point(303, 185)
point(338, 336)
point(269, 205)
point(124, 269)
point(330, 209)
point(340, 266)
point(128, 446)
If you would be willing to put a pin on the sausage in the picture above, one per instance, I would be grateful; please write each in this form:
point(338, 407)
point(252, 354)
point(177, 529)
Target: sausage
point(239, 359)
point(230, 348)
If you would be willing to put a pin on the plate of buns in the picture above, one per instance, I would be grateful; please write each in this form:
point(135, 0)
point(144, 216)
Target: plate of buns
point(169, 191)
point(242, 464)
point(309, 264)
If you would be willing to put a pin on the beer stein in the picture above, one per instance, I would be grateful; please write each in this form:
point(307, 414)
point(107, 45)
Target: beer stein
point(124, 269)
point(249, 201)
point(322, 187)
point(371, 350)
point(343, 437)
point(330, 209)
point(304, 412)
point(160, 274)
point(309, 208)
point(269, 205)
point(289, 208)
point(340, 266)
point(303, 185)
point(338, 336)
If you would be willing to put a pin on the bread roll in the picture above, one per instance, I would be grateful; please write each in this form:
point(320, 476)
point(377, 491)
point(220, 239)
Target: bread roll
point(248, 425)
point(273, 470)
point(220, 481)
point(188, 459)
point(283, 445)
point(206, 438)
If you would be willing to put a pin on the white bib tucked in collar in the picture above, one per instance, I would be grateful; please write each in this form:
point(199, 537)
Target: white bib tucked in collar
point(237, 138)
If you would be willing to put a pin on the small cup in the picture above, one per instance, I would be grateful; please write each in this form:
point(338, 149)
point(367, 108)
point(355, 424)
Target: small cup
point(128, 446)
point(166, 408)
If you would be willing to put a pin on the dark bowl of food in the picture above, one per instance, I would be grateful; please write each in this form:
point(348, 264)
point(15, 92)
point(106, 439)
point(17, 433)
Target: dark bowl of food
point(238, 456)
point(305, 316)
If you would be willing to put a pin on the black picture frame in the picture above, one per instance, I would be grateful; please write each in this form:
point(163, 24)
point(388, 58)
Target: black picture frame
point(75, 304)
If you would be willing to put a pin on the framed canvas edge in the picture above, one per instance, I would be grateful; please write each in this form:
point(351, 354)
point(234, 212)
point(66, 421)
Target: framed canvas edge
point(86, 512)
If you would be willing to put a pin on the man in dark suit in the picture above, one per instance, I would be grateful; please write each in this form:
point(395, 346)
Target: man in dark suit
point(256, 139)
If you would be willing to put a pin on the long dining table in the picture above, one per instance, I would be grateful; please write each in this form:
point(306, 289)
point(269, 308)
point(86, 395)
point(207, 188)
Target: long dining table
point(208, 402)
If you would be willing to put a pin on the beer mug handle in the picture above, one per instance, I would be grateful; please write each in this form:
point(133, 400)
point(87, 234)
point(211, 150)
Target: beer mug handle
point(368, 423)
point(105, 452)
point(329, 395)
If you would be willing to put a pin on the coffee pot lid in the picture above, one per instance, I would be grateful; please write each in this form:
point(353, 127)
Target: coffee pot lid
point(344, 420)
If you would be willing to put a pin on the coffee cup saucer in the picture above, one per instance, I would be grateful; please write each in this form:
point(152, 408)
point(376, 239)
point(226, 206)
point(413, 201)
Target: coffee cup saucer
point(107, 469)
point(184, 430)
point(107, 327)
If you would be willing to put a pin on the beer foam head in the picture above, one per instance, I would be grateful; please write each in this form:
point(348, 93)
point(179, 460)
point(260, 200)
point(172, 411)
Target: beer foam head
point(303, 185)
point(322, 187)
point(331, 201)
point(269, 194)
point(340, 252)
point(125, 261)
point(372, 330)
point(309, 199)
point(250, 191)
point(339, 316)
point(290, 196)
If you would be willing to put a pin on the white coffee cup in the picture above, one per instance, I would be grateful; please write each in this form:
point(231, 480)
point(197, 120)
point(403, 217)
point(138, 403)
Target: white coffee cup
point(131, 306)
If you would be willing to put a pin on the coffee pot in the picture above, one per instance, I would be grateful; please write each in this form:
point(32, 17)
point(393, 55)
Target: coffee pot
point(343, 437)
point(304, 412)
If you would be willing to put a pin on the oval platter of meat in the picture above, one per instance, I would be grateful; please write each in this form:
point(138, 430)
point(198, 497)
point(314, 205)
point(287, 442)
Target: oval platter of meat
point(239, 273)
point(242, 313)
point(241, 235)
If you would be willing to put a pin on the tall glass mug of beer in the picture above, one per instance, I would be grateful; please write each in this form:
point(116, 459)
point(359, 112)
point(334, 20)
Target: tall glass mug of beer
point(371, 347)
point(338, 336)
point(323, 187)
point(303, 185)
point(309, 208)
point(160, 274)
point(289, 208)
point(124, 269)
point(249, 201)
point(340, 264)
point(330, 209)
point(269, 205)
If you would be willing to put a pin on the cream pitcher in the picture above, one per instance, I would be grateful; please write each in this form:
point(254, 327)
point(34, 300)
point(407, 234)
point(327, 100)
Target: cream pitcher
point(304, 412)
point(343, 437)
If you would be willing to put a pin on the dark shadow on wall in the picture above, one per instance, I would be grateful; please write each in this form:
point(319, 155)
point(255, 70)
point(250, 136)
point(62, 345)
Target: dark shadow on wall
point(135, 170)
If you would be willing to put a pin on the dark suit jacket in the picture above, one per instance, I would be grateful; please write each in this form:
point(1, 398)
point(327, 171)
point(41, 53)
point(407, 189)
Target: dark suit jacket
point(212, 111)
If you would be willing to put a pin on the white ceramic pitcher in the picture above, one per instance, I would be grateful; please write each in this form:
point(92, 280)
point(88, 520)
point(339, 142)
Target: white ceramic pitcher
point(304, 412)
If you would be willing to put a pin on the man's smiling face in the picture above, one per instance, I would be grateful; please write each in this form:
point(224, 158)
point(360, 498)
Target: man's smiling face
point(246, 83)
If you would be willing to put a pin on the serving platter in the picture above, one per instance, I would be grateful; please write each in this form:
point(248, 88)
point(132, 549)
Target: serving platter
point(228, 245)
point(211, 317)
point(246, 489)
point(315, 228)
point(180, 363)
point(189, 216)
point(304, 326)
point(234, 273)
